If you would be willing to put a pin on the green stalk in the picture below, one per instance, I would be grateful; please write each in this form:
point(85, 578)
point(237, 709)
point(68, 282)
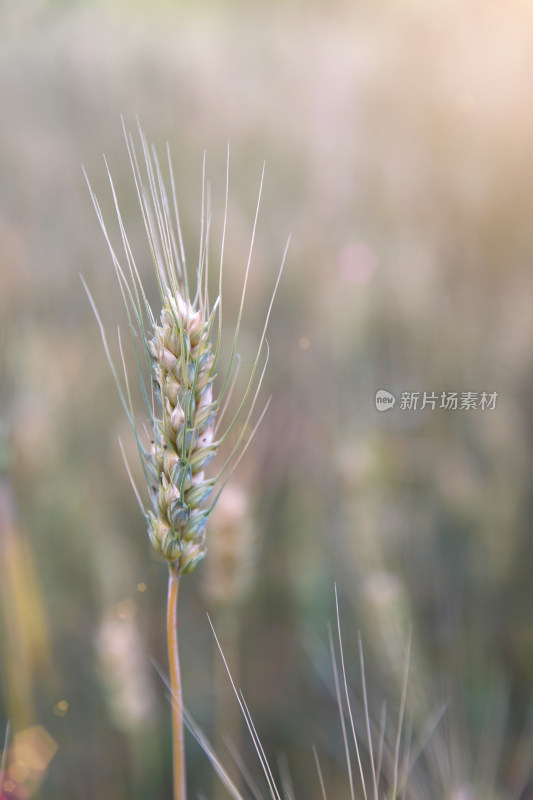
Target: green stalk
point(178, 749)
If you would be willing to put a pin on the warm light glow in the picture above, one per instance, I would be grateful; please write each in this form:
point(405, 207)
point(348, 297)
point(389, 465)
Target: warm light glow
point(357, 263)
point(61, 708)
point(28, 759)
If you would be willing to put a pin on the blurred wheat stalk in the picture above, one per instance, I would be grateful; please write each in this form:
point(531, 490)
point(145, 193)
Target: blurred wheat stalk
point(23, 619)
point(26, 655)
point(177, 355)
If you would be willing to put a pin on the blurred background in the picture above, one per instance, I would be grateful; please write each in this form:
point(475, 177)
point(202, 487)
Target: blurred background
point(398, 140)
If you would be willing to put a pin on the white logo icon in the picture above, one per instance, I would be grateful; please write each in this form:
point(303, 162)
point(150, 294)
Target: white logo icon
point(384, 400)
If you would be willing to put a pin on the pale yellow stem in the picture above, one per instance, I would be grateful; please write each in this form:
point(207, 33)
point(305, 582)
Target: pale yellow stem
point(178, 749)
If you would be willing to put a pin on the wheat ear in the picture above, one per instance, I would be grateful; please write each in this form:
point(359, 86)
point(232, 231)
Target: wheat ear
point(177, 358)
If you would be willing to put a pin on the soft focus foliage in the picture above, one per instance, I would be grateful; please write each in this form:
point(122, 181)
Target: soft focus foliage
point(398, 139)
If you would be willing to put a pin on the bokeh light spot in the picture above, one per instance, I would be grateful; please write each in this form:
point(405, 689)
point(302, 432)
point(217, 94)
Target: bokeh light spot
point(304, 343)
point(127, 609)
point(28, 759)
point(141, 587)
point(357, 263)
point(61, 708)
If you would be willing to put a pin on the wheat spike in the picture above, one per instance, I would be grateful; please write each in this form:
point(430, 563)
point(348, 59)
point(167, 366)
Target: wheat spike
point(177, 358)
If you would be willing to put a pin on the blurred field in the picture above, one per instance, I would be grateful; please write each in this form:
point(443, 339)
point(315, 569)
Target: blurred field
point(398, 139)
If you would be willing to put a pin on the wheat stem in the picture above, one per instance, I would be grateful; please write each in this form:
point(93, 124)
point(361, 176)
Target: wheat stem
point(178, 750)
